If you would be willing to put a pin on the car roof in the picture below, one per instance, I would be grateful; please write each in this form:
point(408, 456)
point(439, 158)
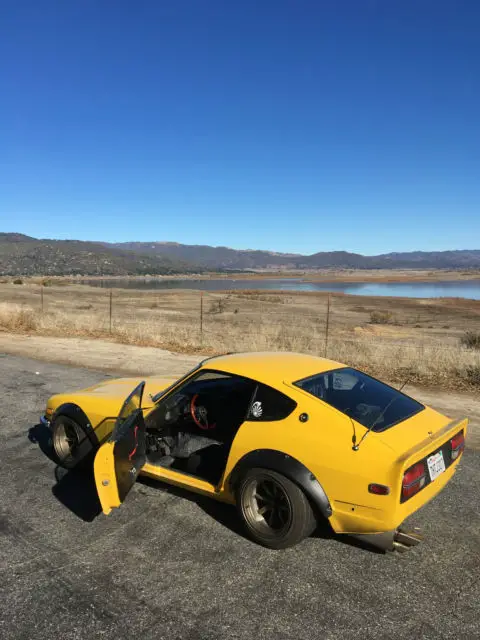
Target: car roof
point(272, 368)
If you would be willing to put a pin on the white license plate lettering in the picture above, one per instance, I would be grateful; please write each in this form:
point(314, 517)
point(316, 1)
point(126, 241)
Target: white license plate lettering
point(436, 465)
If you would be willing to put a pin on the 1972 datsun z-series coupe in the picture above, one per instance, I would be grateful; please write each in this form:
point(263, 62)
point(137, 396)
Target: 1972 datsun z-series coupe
point(288, 438)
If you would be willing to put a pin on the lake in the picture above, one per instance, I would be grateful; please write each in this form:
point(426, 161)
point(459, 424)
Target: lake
point(455, 289)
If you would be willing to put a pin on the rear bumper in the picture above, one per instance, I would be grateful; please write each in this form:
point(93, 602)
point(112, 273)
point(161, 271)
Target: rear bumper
point(358, 520)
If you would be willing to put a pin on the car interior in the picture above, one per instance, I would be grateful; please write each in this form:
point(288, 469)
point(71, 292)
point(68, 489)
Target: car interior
point(192, 429)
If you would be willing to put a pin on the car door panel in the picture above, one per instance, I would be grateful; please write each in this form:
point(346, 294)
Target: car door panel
point(120, 459)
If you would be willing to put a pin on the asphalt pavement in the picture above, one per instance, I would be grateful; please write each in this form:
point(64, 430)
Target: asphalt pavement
point(168, 564)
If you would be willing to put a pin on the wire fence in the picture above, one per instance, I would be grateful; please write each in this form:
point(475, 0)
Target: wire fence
point(236, 319)
point(423, 341)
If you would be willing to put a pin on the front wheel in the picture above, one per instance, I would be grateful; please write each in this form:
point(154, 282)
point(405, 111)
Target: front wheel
point(70, 442)
point(275, 511)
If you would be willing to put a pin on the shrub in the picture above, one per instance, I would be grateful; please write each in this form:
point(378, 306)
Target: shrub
point(218, 306)
point(381, 317)
point(18, 281)
point(471, 340)
point(473, 374)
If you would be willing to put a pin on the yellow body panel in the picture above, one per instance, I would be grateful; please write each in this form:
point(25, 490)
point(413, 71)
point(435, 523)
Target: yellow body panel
point(104, 470)
point(179, 479)
point(323, 444)
point(102, 402)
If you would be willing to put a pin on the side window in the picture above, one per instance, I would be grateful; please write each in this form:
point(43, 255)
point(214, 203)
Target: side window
point(221, 399)
point(269, 404)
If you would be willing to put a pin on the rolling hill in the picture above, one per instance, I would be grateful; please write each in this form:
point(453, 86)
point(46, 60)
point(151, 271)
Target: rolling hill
point(24, 255)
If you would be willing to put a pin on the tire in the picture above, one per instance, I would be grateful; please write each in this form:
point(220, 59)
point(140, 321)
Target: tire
point(275, 511)
point(71, 443)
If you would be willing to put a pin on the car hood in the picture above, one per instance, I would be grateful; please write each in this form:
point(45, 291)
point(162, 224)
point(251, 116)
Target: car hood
point(119, 388)
point(106, 398)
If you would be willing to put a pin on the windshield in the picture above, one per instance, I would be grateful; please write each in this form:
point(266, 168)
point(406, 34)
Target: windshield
point(161, 393)
point(365, 399)
point(132, 404)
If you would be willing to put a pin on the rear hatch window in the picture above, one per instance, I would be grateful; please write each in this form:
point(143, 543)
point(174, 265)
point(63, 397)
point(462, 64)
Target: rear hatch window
point(365, 399)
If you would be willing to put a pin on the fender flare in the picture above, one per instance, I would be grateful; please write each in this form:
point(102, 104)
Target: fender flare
point(290, 468)
point(74, 412)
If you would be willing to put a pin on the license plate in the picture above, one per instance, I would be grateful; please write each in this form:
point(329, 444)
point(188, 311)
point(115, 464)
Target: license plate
point(436, 465)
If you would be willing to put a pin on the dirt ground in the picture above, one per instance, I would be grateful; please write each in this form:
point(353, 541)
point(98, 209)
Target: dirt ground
point(108, 356)
point(433, 319)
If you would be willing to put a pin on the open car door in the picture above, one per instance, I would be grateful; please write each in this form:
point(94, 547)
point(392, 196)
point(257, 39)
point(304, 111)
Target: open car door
point(119, 460)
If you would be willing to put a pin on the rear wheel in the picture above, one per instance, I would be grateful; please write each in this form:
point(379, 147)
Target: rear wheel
point(275, 511)
point(70, 442)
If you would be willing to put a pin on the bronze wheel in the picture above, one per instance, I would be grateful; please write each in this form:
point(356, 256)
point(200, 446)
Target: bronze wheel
point(70, 442)
point(275, 511)
point(266, 505)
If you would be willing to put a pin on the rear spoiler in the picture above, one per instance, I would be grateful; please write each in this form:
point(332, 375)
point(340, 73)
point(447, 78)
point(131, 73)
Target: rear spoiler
point(442, 435)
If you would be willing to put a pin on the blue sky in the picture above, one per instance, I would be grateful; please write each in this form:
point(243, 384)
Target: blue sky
point(285, 125)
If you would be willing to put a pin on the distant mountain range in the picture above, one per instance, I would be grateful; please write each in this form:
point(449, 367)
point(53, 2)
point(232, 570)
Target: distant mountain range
point(24, 255)
point(225, 258)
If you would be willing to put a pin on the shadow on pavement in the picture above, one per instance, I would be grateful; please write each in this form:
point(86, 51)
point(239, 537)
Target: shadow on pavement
point(76, 490)
point(40, 434)
point(224, 514)
point(325, 532)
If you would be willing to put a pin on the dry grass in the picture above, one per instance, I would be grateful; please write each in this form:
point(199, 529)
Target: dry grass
point(243, 322)
point(16, 318)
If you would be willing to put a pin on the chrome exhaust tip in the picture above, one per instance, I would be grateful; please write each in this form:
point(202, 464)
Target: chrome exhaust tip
point(405, 540)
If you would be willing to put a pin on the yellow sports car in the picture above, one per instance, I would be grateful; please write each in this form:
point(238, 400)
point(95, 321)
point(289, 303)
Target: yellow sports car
point(290, 439)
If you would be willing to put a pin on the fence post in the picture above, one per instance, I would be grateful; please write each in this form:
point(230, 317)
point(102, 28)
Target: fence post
point(110, 313)
point(327, 325)
point(201, 317)
point(41, 295)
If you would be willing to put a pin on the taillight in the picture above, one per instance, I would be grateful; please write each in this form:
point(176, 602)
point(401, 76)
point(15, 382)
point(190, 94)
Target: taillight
point(458, 444)
point(414, 479)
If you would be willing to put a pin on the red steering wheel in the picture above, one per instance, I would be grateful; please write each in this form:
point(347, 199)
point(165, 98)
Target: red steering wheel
point(199, 414)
